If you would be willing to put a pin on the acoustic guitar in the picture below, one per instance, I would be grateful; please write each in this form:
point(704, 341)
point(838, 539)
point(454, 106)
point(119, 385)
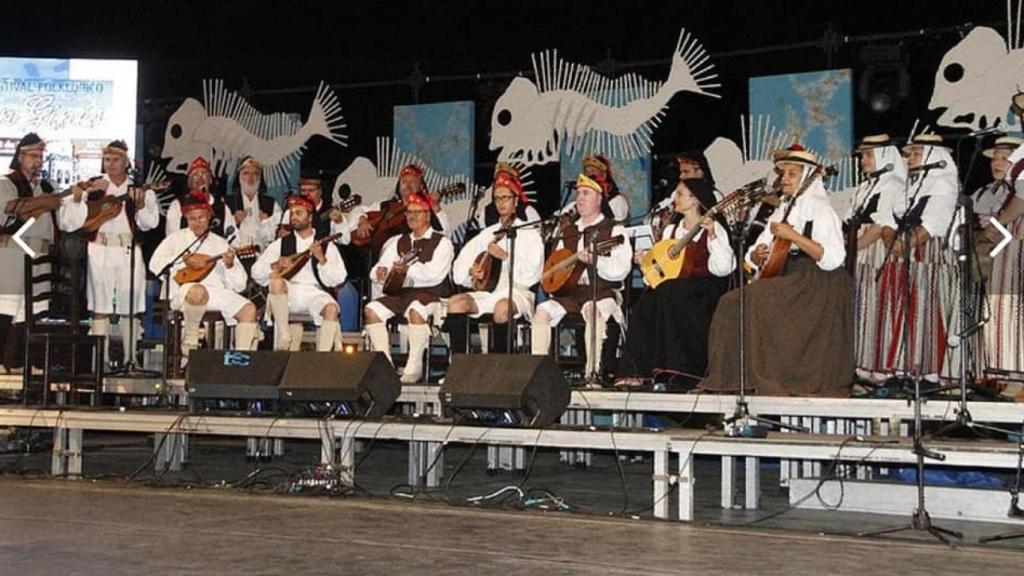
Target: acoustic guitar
point(778, 256)
point(562, 269)
point(396, 278)
point(386, 223)
point(187, 274)
point(667, 259)
point(36, 206)
point(106, 208)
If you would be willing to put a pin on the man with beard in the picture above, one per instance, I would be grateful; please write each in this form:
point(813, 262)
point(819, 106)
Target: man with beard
point(251, 215)
point(308, 290)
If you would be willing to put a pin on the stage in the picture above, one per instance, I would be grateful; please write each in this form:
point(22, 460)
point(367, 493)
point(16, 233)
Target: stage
point(110, 529)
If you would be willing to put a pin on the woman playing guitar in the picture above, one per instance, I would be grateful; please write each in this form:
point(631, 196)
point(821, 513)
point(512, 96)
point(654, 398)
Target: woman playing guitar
point(798, 329)
point(483, 266)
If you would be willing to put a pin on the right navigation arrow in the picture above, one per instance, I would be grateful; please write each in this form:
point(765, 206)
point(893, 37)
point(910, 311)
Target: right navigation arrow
point(1006, 237)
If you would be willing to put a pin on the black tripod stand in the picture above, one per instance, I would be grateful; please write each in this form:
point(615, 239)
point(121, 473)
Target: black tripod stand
point(742, 422)
point(920, 520)
point(1014, 511)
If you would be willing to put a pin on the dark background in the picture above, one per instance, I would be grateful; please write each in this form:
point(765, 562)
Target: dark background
point(276, 52)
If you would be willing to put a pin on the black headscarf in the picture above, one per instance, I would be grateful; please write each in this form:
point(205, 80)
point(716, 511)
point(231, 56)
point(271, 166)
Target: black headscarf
point(30, 139)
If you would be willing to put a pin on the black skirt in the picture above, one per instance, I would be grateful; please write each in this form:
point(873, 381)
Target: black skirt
point(799, 335)
point(668, 328)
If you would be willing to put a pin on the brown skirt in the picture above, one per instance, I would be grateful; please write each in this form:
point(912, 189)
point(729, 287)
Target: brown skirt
point(580, 295)
point(799, 335)
point(401, 301)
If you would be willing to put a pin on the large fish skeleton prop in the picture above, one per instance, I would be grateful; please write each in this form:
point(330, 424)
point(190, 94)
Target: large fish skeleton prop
point(978, 77)
point(572, 105)
point(224, 128)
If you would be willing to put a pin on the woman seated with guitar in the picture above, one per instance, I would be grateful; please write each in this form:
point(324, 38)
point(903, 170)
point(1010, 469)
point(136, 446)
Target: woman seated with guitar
point(301, 270)
point(205, 277)
point(566, 275)
point(798, 337)
point(413, 271)
point(483, 266)
point(688, 271)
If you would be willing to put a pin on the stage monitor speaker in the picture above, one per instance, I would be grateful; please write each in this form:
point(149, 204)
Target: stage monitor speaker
point(235, 374)
point(365, 381)
point(528, 388)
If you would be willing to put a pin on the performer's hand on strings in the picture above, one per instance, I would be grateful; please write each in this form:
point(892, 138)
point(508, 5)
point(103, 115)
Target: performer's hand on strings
point(229, 258)
point(336, 215)
point(784, 231)
point(709, 225)
point(585, 256)
point(497, 251)
point(364, 229)
point(476, 272)
point(382, 274)
point(759, 255)
point(196, 261)
point(317, 251)
point(283, 263)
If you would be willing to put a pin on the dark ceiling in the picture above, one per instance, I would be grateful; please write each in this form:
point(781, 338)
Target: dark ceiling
point(275, 47)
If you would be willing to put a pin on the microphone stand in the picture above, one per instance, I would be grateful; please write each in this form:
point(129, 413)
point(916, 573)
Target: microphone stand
point(165, 276)
point(593, 379)
point(130, 370)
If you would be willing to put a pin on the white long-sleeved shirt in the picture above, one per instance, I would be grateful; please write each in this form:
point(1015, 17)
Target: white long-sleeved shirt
point(721, 259)
point(614, 266)
point(254, 229)
point(221, 276)
point(332, 272)
point(420, 274)
point(529, 257)
point(811, 206)
point(344, 227)
point(72, 215)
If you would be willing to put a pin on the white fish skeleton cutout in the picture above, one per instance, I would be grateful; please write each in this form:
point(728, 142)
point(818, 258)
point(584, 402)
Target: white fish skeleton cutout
point(978, 77)
point(225, 128)
point(844, 187)
point(572, 105)
point(733, 167)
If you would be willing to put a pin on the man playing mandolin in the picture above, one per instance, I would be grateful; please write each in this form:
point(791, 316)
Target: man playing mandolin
point(483, 266)
point(413, 269)
point(594, 218)
point(216, 278)
point(300, 271)
point(110, 248)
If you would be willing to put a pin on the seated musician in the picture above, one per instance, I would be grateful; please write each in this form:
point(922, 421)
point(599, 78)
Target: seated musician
point(489, 214)
point(674, 317)
point(251, 214)
point(306, 290)
point(326, 219)
point(410, 181)
point(798, 338)
point(599, 168)
point(485, 254)
point(594, 217)
point(192, 247)
point(421, 260)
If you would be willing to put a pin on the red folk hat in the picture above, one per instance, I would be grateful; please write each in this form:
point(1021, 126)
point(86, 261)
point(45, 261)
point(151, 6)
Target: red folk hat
point(506, 180)
point(196, 200)
point(411, 170)
point(421, 199)
point(199, 163)
point(301, 200)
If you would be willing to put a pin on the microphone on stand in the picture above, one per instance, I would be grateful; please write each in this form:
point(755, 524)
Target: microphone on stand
point(884, 170)
point(984, 131)
point(930, 166)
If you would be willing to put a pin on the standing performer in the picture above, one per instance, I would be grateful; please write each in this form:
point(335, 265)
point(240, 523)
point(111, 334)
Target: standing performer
point(799, 325)
point(594, 217)
point(671, 321)
point(199, 177)
point(327, 219)
point(933, 292)
point(873, 206)
point(192, 248)
point(23, 181)
point(250, 213)
point(306, 290)
point(1002, 334)
point(110, 248)
point(417, 263)
point(477, 263)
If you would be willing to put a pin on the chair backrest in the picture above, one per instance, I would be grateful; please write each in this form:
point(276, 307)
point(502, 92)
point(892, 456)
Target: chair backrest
point(57, 283)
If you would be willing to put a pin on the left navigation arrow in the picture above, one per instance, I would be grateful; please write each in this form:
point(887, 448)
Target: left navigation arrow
point(21, 243)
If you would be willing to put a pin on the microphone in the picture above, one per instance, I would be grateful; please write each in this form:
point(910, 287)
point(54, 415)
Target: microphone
point(831, 171)
point(569, 184)
point(930, 166)
point(214, 222)
point(984, 131)
point(886, 169)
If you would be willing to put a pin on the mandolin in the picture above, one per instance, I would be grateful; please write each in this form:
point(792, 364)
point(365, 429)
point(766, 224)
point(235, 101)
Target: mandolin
point(396, 278)
point(105, 208)
point(562, 270)
point(344, 206)
point(386, 223)
point(667, 259)
point(299, 260)
point(489, 265)
point(36, 206)
point(778, 256)
point(188, 274)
